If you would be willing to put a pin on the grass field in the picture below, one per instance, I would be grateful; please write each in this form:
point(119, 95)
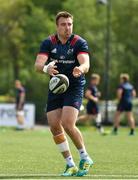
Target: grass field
point(33, 155)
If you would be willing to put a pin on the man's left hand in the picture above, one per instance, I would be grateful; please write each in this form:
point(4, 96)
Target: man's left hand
point(77, 71)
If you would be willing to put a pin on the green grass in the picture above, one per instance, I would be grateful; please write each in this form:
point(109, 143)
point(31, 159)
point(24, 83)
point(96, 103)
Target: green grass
point(33, 154)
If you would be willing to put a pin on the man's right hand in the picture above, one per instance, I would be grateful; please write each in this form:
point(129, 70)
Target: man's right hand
point(95, 99)
point(51, 69)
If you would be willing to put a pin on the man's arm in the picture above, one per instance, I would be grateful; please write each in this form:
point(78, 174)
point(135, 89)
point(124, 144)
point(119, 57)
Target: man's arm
point(84, 62)
point(40, 62)
point(89, 96)
point(134, 93)
point(42, 68)
point(119, 93)
point(21, 100)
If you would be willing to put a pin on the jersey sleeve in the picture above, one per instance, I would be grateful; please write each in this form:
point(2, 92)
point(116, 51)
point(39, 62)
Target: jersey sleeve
point(120, 86)
point(82, 47)
point(45, 47)
point(22, 91)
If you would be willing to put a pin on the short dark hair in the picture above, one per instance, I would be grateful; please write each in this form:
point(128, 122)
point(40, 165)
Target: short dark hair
point(64, 14)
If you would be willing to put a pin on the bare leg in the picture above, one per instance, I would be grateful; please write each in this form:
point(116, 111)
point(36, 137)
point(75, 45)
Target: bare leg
point(98, 120)
point(20, 119)
point(84, 118)
point(54, 121)
point(131, 121)
point(69, 117)
point(116, 121)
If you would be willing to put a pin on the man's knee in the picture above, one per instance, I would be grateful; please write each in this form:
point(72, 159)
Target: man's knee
point(68, 127)
point(55, 126)
point(55, 130)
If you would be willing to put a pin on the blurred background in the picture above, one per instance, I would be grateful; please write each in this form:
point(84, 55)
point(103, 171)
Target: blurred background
point(110, 27)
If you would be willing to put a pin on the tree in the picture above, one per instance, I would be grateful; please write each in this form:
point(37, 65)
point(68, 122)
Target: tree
point(25, 23)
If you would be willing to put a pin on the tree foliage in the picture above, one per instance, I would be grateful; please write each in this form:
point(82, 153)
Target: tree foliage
point(25, 23)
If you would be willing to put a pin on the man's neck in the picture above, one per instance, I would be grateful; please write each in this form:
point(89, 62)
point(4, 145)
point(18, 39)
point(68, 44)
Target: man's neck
point(62, 40)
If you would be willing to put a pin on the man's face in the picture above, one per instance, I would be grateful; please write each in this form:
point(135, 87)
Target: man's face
point(17, 84)
point(64, 27)
point(95, 81)
point(121, 80)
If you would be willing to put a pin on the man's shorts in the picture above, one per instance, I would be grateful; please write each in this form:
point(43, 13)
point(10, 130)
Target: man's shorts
point(72, 97)
point(124, 107)
point(21, 107)
point(92, 108)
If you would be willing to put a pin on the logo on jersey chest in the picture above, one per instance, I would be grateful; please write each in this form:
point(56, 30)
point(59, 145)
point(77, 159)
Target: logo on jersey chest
point(54, 50)
point(62, 57)
point(70, 51)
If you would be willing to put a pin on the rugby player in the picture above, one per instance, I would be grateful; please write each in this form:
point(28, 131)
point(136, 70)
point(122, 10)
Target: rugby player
point(20, 100)
point(125, 94)
point(92, 94)
point(66, 53)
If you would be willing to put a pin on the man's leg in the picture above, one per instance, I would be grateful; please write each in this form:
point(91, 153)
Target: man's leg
point(131, 121)
point(116, 121)
point(69, 117)
point(20, 119)
point(84, 118)
point(98, 120)
point(54, 120)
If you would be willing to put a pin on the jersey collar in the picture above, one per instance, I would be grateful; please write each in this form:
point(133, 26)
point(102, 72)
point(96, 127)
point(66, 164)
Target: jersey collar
point(68, 41)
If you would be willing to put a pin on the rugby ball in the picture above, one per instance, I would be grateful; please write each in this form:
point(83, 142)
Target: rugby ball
point(58, 84)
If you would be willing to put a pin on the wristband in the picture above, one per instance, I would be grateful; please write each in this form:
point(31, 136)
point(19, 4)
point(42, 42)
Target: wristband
point(45, 68)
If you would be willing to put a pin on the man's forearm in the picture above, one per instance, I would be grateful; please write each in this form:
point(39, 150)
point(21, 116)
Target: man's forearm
point(40, 63)
point(84, 68)
point(95, 99)
point(39, 67)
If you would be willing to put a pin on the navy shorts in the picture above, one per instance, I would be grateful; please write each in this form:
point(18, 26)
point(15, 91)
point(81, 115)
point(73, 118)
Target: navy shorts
point(124, 107)
point(92, 108)
point(21, 106)
point(72, 97)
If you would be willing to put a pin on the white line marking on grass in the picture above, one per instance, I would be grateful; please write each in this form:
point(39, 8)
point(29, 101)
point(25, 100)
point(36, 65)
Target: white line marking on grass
point(58, 175)
point(112, 175)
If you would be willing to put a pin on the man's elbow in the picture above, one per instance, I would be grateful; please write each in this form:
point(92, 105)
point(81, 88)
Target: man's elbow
point(134, 94)
point(87, 68)
point(37, 67)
